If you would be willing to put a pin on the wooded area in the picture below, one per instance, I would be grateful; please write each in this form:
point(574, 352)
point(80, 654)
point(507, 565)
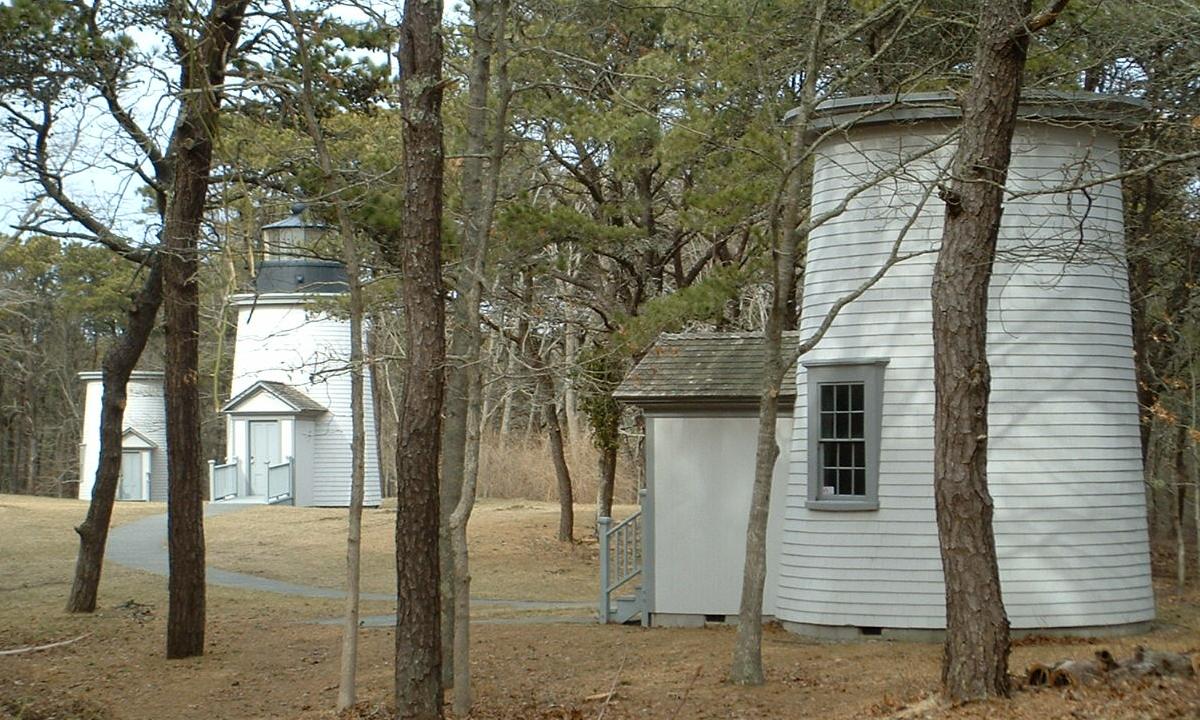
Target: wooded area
point(526, 193)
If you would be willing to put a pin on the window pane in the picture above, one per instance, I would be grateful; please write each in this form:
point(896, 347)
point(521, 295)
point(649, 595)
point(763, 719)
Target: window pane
point(827, 397)
point(860, 482)
point(842, 426)
point(826, 425)
point(844, 482)
point(830, 478)
point(830, 451)
point(856, 425)
point(860, 455)
point(843, 397)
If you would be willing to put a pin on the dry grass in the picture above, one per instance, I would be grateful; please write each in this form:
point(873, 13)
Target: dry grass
point(265, 660)
point(513, 550)
point(519, 469)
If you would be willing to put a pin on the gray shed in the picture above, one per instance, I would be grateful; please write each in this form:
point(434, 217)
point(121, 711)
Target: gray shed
point(699, 393)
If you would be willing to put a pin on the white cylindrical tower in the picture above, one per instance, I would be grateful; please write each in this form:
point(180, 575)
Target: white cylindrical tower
point(143, 438)
point(290, 390)
point(860, 545)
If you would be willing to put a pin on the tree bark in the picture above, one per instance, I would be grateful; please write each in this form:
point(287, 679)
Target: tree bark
point(562, 473)
point(1179, 509)
point(203, 61)
point(118, 366)
point(607, 468)
point(975, 658)
point(746, 668)
point(333, 185)
point(418, 689)
point(480, 185)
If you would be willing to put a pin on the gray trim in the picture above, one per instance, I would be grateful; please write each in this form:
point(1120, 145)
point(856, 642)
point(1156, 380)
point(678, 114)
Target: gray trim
point(852, 633)
point(1120, 111)
point(870, 372)
point(714, 410)
point(851, 361)
point(712, 401)
point(648, 523)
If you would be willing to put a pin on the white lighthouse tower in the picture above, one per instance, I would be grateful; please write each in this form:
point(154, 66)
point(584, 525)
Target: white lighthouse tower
point(288, 422)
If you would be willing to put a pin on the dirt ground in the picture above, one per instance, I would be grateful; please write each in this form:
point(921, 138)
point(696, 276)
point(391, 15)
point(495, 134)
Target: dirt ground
point(266, 657)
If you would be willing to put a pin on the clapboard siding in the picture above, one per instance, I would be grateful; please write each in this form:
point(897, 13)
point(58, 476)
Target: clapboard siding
point(1064, 456)
point(284, 342)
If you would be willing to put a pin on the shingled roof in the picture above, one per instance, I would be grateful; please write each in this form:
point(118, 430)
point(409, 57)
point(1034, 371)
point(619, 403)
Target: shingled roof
point(703, 367)
point(289, 395)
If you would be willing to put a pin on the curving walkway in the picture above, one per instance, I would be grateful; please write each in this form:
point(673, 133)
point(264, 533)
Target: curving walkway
point(141, 545)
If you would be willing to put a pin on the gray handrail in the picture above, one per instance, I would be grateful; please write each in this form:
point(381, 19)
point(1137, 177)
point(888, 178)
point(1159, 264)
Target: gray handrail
point(621, 550)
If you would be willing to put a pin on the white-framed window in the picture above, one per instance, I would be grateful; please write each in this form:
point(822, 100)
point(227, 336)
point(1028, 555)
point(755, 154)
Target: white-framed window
point(845, 409)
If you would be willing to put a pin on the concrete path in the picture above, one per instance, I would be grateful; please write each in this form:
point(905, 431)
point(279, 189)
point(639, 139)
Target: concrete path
point(142, 545)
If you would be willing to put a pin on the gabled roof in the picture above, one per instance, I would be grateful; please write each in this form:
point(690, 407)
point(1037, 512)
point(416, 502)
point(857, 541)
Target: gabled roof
point(288, 395)
point(134, 440)
point(689, 368)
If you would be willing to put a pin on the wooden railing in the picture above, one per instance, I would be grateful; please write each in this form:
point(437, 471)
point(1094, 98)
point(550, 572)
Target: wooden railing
point(223, 480)
point(279, 482)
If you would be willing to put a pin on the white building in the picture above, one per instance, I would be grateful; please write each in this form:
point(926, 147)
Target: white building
point(288, 423)
point(853, 540)
point(143, 441)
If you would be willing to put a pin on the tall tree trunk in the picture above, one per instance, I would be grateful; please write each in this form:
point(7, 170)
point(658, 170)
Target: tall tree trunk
point(975, 659)
point(571, 391)
point(119, 362)
point(465, 338)
point(1179, 507)
point(747, 667)
point(418, 691)
point(204, 59)
point(333, 185)
point(458, 537)
point(606, 466)
point(562, 473)
point(509, 387)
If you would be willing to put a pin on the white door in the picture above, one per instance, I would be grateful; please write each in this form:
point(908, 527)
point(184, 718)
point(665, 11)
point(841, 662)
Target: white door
point(264, 451)
point(132, 476)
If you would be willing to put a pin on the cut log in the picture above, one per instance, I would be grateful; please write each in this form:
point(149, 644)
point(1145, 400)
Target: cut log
point(1073, 673)
point(1038, 675)
point(1070, 673)
point(1167, 663)
point(1108, 663)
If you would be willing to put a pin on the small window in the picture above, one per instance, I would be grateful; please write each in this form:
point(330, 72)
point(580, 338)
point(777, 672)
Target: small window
point(845, 403)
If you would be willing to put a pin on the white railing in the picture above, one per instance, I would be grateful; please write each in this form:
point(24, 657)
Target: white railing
point(223, 480)
point(621, 548)
point(279, 481)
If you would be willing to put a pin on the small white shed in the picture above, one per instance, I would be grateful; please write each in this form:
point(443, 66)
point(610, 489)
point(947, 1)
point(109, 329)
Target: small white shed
point(143, 442)
point(855, 545)
point(699, 395)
